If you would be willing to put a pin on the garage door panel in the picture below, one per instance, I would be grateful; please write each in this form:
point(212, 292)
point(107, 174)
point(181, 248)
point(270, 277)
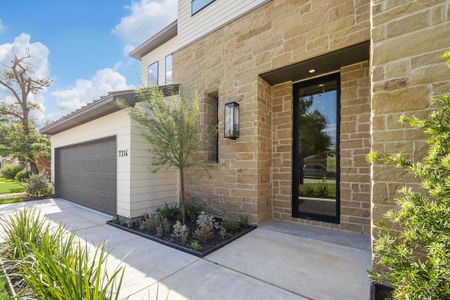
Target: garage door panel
point(87, 174)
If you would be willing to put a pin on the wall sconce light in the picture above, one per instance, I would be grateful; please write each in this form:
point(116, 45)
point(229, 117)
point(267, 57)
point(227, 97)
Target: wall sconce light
point(232, 120)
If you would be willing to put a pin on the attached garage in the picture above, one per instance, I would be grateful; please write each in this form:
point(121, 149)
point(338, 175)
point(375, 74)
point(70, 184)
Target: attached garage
point(86, 174)
point(101, 160)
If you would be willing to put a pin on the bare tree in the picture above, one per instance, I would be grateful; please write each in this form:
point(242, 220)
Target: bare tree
point(18, 78)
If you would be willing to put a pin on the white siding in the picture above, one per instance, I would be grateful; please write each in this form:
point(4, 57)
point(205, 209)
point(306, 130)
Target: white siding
point(118, 124)
point(149, 189)
point(159, 54)
point(212, 17)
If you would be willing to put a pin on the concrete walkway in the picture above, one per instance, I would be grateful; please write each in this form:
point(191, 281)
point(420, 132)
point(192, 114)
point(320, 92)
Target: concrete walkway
point(275, 261)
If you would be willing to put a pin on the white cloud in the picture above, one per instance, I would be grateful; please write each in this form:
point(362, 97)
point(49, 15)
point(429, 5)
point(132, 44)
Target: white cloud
point(2, 27)
point(39, 52)
point(87, 90)
point(146, 18)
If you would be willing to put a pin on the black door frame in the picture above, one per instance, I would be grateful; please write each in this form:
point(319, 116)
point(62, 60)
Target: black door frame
point(295, 147)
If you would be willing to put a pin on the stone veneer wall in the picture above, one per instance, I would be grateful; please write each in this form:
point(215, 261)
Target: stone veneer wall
point(354, 146)
point(408, 38)
point(229, 60)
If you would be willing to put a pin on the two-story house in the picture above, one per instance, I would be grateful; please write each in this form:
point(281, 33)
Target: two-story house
point(318, 84)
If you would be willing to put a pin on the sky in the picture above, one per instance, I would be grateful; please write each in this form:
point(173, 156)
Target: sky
point(81, 45)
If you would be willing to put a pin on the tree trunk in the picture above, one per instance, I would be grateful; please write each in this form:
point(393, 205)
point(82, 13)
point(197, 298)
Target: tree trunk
point(34, 168)
point(183, 211)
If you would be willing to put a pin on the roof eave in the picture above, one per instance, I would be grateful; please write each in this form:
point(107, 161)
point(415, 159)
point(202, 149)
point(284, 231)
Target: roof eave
point(167, 33)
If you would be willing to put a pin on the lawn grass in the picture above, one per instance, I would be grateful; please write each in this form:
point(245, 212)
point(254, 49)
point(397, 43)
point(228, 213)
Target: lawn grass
point(11, 186)
point(11, 200)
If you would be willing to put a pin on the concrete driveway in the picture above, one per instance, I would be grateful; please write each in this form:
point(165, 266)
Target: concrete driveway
point(275, 261)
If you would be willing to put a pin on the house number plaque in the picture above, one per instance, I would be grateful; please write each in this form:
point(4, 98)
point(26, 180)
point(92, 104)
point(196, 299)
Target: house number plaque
point(123, 153)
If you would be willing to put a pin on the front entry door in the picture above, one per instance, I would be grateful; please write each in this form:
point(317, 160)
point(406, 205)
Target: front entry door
point(316, 149)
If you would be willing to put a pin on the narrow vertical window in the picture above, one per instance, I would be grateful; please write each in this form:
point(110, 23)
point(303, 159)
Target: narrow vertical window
point(153, 74)
point(212, 123)
point(168, 64)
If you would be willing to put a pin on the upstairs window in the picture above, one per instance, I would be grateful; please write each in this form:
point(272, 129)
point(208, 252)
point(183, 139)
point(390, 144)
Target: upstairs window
point(198, 5)
point(153, 74)
point(168, 62)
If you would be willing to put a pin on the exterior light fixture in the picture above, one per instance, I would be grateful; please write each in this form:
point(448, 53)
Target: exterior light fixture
point(231, 120)
point(312, 71)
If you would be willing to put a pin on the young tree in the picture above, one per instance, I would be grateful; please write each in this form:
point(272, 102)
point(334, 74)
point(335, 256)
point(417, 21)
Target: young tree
point(170, 125)
point(19, 80)
point(413, 244)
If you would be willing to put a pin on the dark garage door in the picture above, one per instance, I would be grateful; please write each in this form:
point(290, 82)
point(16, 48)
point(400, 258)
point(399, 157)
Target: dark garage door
point(86, 174)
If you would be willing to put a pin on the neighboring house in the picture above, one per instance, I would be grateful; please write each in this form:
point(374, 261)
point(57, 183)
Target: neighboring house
point(319, 84)
point(6, 161)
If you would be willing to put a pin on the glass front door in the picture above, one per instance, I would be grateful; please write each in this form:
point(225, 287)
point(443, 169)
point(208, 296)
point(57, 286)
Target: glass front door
point(316, 149)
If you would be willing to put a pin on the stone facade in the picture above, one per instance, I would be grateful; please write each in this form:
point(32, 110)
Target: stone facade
point(408, 38)
point(229, 61)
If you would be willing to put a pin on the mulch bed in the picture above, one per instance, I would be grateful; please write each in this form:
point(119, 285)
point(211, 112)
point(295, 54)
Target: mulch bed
point(210, 246)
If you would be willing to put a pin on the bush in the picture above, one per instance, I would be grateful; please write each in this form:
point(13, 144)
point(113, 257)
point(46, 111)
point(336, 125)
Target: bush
point(413, 243)
point(205, 227)
point(181, 232)
point(163, 227)
point(39, 186)
point(10, 172)
point(23, 175)
point(170, 212)
point(53, 263)
point(191, 210)
point(230, 225)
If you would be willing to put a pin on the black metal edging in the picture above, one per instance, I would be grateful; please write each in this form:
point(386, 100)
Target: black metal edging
point(179, 247)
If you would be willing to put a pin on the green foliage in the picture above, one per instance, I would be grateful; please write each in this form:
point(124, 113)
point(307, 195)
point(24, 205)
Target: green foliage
point(318, 189)
point(23, 175)
point(170, 125)
point(10, 172)
point(413, 244)
point(222, 232)
point(169, 211)
point(53, 263)
point(39, 186)
point(181, 232)
point(195, 245)
point(191, 210)
point(163, 227)
point(244, 221)
point(231, 225)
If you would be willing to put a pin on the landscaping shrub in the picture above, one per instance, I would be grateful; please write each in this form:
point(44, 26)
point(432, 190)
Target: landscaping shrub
point(10, 172)
point(195, 245)
point(39, 186)
point(205, 227)
point(191, 211)
point(230, 225)
point(22, 175)
point(170, 212)
point(181, 232)
point(163, 227)
point(244, 221)
point(413, 242)
point(53, 263)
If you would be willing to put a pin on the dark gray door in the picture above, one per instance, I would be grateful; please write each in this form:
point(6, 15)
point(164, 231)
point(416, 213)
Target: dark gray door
point(86, 174)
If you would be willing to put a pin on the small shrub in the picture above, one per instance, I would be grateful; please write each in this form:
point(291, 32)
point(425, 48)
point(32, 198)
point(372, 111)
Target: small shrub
point(169, 211)
point(222, 232)
point(204, 233)
point(230, 225)
point(195, 245)
point(116, 219)
point(22, 175)
point(39, 186)
point(10, 172)
point(181, 232)
point(205, 219)
point(163, 227)
point(243, 220)
point(192, 211)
